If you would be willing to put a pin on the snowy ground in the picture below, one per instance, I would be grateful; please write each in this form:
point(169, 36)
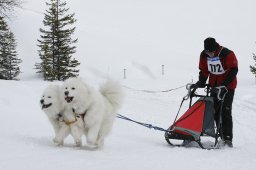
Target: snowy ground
point(140, 36)
point(26, 135)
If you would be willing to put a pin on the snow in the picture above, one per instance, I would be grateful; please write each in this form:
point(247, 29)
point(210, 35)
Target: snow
point(139, 36)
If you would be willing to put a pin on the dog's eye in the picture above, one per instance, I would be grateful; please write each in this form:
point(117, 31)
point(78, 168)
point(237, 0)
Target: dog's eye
point(49, 97)
point(66, 88)
point(73, 88)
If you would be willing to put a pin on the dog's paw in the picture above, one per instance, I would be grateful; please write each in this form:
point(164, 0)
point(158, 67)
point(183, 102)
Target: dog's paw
point(91, 143)
point(54, 140)
point(58, 142)
point(78, 143)
point(100, 144)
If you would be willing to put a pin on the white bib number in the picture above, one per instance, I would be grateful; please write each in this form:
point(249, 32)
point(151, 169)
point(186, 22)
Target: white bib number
point(215, 66)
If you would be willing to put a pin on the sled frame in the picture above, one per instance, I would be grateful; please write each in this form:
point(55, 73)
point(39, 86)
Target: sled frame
point(171, 134)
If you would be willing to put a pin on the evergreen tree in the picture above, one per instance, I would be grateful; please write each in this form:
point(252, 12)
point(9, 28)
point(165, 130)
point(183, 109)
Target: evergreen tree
point(9, 62)
point(44, 67)
point(7, 6)
point(56, 43)
point(253, 68)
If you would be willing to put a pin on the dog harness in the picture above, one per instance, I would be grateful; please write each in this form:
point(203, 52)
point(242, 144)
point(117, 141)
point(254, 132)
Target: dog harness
point(82, 115)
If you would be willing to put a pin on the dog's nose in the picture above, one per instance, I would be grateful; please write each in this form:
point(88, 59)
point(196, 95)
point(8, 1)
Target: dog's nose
point(42, 101)
point(66, 93)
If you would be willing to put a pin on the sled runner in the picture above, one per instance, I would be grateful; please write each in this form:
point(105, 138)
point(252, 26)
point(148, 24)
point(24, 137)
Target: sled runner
point(197, 123)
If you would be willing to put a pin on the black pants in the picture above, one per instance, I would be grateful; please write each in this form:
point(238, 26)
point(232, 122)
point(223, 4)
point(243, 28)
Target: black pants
point(227, 122)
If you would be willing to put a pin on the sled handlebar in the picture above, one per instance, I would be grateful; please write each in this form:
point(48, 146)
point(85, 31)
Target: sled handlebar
point(221, 91)
point(191, 91)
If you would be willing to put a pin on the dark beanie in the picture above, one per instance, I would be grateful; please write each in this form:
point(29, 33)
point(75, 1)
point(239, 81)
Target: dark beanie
point(210, 44)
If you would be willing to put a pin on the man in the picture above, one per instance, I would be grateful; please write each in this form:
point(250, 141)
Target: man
point(220, 65)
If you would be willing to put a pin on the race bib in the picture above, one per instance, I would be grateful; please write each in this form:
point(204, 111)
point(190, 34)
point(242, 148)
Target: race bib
point(215, 66)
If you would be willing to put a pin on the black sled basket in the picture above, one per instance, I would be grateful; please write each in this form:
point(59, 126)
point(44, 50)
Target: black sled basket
point(198, 122)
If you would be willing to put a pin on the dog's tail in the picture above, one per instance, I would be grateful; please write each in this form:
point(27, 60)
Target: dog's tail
point(114, 93)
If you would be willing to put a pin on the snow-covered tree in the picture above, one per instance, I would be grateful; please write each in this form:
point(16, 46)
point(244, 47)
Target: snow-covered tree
point(44, 68)
point(9, 63)
point(253, 68)
point(6, 6)
point(56, 43)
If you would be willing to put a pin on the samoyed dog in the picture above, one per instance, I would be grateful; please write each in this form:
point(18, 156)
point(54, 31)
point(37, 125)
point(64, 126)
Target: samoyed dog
point(97, 107)
point(63, 120)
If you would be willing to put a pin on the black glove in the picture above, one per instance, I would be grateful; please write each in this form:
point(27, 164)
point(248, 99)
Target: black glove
point(198, 84)
point(193, 86)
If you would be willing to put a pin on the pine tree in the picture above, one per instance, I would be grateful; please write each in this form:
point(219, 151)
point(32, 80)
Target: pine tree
point(9, 63)
point(253, 68)
point(45, 66)
point(3, 30)
point(7, 6)
point(56, 44)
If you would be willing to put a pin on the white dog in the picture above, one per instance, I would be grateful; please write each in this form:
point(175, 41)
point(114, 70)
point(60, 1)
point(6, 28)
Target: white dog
point(62, 119)
point(97, 107)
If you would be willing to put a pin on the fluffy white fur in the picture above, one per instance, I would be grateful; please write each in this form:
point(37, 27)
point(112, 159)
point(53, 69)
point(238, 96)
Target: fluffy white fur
point(98, 106)
point(62, 119)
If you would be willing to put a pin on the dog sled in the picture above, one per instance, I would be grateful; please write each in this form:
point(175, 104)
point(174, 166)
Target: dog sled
point(198, 122)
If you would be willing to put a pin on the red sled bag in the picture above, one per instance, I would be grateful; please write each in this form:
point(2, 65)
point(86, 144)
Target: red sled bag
point(198, 122)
